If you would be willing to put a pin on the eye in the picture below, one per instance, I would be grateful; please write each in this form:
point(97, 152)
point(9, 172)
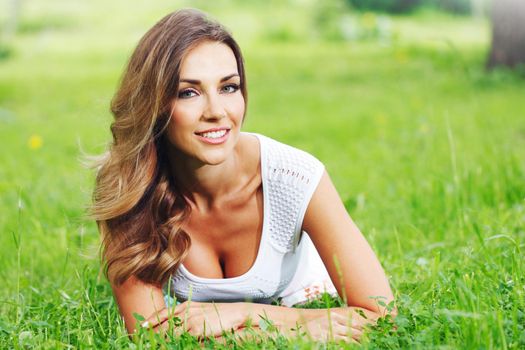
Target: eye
point(230, 88)
point(187, 93)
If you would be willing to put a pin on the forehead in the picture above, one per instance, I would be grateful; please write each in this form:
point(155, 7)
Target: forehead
point(208, 59)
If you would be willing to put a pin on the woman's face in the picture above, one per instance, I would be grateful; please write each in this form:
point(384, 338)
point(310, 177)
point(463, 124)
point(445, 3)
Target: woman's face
point(207, 112)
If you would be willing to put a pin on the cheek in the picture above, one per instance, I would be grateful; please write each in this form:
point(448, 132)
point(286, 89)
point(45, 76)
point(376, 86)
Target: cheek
point(182, 116)
point(237, 107)
point(179, 124)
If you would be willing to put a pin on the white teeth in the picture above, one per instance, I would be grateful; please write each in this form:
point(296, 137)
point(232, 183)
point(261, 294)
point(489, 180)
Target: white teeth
point(214, 134)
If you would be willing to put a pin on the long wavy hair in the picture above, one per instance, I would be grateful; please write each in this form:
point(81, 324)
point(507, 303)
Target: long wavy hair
point(137, 204)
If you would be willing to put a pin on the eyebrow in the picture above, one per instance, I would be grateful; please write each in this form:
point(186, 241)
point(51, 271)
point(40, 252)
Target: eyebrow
point(197, 82)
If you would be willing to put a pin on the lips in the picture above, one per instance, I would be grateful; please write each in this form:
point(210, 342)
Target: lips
point(214, 135)
point(212, 130)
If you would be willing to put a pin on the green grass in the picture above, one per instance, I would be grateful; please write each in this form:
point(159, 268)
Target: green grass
point(425, 148)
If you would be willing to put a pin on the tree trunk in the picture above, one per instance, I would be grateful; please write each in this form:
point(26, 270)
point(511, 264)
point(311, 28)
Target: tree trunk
point(508, 33)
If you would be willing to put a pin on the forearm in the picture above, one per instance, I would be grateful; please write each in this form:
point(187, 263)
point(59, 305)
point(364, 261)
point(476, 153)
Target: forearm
point(286, 318)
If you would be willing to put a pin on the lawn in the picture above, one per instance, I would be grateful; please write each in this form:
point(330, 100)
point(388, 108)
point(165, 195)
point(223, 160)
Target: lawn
point(426, 149)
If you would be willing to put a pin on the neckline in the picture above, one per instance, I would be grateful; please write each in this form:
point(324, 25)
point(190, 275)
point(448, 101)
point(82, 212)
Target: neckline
point(262, 162)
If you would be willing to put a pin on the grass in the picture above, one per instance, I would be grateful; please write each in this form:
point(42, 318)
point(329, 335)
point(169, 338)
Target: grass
point(425, 148)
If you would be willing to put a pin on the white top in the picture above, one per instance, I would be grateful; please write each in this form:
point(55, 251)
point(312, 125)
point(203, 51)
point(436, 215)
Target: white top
point(287, 265)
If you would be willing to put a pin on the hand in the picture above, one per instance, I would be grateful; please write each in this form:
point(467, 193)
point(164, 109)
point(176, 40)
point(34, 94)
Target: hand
point(345, 324)
point(333, 327)
point(200, 319)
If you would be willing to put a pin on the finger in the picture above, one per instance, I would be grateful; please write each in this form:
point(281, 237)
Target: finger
point(355, 334)
point(173, 323)
point(188, 307)
point(200, 330)
point(159, 317)
point(356, 324)
point(339, 337)
point(180, 308)
point(155, 319)
point(344, 330)
point(193, 325)
point(339, 330)
point(345, 338)
point(199, 325)
point(339, 321)
point(349, 321)
point(184, 311)
point(342, 319)
point(168, 327)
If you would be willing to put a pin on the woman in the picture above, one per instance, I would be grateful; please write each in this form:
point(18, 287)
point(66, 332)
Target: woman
point(184, 199)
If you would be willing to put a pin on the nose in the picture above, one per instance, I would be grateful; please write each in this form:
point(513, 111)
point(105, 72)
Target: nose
point(214, 109)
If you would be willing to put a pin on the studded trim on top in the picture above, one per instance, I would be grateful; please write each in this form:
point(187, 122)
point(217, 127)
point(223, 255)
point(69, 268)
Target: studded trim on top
point(292, 176)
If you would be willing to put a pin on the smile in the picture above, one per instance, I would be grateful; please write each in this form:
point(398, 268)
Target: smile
point(214, 136)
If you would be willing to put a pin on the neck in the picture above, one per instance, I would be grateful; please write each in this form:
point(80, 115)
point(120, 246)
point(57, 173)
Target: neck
point(205, 186)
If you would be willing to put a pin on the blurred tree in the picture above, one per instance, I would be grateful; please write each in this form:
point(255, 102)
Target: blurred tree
point(508, 33)
point(479, 8)
point(390, 6)
point(328, 15)
point(459, 7)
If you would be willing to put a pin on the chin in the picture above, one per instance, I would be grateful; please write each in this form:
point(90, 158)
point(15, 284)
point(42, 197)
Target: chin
point(214, 160)
point(217, 156)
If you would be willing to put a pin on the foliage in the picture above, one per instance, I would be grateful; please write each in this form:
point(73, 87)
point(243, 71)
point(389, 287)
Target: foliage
point(5, 51)
point(461, 7)
point(390, 6)
point(425, 148)
point(327, 19)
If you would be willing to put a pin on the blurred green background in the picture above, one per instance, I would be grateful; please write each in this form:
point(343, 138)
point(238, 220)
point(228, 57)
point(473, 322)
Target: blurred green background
point(425, 146)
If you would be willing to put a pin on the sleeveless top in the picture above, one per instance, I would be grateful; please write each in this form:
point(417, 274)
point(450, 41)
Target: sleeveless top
point(287, 267)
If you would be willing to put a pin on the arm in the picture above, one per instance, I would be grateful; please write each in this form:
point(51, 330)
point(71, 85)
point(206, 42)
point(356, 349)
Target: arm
point(211, 319)
point(334, 234)
point(357, 274)
point(134, 296)
point(352, 265)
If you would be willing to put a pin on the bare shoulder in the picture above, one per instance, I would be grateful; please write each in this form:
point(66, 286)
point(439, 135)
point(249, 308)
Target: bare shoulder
point(327, 210)
point(248, 151)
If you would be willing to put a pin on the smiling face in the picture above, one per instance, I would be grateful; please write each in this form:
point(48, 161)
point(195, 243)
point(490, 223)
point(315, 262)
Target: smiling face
point(207, 113)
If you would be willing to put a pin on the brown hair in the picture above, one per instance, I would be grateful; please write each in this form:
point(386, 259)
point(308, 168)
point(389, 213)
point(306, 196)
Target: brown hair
point(136, 203)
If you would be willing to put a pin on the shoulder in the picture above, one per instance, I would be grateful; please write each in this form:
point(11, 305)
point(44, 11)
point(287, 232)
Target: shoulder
point(249, 154)
point(280, 157)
